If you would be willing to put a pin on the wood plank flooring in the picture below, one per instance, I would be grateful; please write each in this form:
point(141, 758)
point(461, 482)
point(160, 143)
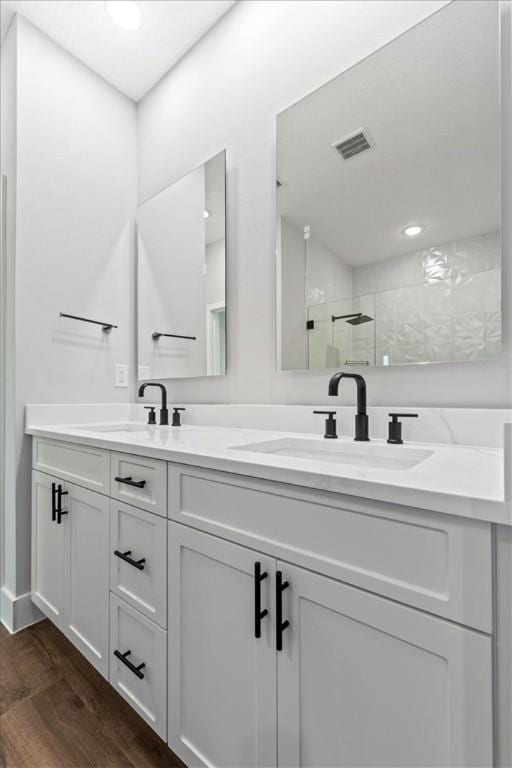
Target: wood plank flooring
point(56, 711)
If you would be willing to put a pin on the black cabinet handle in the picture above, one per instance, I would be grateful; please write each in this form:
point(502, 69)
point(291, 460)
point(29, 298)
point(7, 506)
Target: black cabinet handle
point(258, 613)
point(54, 503)
point(60, 511)
point(280, 624)
point(129, 481)
point(136, 670)
point(126, 557)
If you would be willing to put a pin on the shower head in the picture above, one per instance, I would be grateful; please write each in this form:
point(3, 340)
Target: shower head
point(360, 319)
point(355, 318)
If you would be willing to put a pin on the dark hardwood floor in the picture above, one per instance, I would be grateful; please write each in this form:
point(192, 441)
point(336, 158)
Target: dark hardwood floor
point(56, 711)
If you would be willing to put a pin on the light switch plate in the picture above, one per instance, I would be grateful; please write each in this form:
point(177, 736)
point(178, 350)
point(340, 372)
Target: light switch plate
point(121, 375)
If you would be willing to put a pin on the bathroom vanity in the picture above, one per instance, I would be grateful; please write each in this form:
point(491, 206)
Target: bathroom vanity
point(253, 613)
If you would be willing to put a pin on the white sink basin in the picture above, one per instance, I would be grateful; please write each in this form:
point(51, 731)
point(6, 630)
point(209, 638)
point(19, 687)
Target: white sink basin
point(375, 455)
point(131, 427)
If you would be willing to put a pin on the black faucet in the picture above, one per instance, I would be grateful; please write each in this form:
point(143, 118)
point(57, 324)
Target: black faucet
point(164, 412)
point(361, 418)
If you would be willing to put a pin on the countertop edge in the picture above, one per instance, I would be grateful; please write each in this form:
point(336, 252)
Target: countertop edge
point(484, 510)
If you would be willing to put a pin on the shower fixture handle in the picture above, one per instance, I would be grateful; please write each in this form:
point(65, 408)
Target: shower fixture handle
point(395, 426)
point(330, 424)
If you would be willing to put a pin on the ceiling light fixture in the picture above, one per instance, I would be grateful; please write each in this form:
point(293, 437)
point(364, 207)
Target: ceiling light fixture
point(206, 213)
point(412, 230)
point(124, 13)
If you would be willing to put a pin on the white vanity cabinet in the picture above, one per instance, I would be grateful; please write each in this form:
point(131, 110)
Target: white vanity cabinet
point(70, 563)
point(363, 681)
point(336, 677)
point(48, 550)
point(222, 679)
point(253, 623)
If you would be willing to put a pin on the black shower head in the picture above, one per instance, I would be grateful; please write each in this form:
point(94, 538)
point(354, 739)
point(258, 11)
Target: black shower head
point(360, 319)
point(355, 318)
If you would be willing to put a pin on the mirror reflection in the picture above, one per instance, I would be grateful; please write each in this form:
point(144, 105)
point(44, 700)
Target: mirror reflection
point(181, 277)
point(388, 225)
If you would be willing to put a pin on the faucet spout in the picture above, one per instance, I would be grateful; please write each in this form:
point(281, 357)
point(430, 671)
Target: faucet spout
point(361, 419)
point(164, 411)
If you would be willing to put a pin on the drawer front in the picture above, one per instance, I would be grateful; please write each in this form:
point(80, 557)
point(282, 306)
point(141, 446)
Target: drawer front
point(139, 536)
point(142, 483)
point(143, 687)
point(83, 465)
point(433, 561)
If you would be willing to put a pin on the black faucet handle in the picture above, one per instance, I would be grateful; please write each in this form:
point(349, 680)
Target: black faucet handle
point(395, 426)
point(151, 414)
point(176, 417)
point(330, 424)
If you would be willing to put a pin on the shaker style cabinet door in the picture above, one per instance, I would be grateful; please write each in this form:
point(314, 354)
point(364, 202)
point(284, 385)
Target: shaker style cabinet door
point(87, 577)
point(48, 549)
point(222, 684)
point(363, 681)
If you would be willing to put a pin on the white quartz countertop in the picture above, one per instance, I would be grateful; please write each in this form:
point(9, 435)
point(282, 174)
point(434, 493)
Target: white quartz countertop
point(455, 479)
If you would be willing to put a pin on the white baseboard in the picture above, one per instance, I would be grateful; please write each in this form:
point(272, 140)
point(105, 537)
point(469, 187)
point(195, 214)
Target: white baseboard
point(16, 613)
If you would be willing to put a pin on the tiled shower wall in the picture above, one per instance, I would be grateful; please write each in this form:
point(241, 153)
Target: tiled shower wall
point(438, 304)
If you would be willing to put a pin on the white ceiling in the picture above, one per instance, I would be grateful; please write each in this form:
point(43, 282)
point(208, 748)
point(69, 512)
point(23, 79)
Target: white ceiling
point(131, 61)
point(430, 102)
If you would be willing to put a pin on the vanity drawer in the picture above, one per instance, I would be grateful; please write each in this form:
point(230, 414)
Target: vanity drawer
point(142, 483)
point(145, 688)
point(433, 561)
point(139, 535)
point(83, 465)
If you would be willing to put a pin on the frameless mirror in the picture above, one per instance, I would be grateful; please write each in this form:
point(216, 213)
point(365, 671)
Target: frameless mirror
point(181, 277)
point(388, 203)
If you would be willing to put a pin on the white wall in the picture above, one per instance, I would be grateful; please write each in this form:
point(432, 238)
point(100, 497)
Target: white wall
point(328, 278)
point(8, 108)
point(76, 198)
point(216, 272)
point(171, 279)
point(259, 59)
point(291, 268)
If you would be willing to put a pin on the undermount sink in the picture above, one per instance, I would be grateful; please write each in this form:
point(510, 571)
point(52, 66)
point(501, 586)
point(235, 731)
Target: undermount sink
point(375, 455)
point(131, 427)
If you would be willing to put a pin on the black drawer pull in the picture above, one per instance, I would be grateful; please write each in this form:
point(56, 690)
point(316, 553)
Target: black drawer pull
point(54, 502)
point(129, 481)
point(258, 613)
point(126, 557)
point(136, 670)
point(59, 510)
point(280, 624)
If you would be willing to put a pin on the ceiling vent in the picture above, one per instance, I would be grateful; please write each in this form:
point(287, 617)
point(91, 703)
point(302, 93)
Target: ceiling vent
point(353, 145)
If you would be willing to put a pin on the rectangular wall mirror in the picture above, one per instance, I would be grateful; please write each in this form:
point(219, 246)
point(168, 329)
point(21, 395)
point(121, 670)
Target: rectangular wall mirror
point(181, 277)
point(388, 203)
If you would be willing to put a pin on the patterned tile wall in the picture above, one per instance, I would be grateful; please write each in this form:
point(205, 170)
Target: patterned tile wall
point(437, 305)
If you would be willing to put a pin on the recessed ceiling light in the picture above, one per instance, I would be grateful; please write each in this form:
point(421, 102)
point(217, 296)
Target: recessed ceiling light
point(412, 230)
point(124, 13)
point(206, 213)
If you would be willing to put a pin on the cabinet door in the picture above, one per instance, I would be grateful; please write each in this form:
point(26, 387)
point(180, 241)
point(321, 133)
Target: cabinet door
point(87, 550)
point(222, 684)
point(363, 681)
point(48, 551)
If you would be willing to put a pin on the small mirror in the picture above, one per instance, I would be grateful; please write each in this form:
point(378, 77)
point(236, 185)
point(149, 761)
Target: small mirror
point(181, 277)
point(388, 203)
